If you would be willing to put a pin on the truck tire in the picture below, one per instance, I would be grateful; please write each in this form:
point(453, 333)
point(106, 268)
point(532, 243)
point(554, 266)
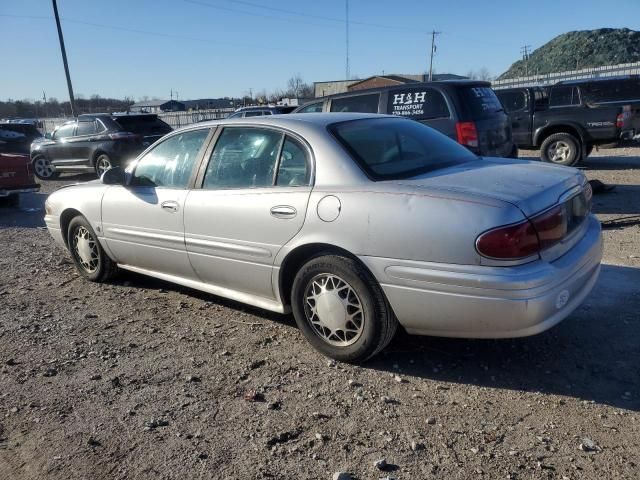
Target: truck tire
point(561, 149)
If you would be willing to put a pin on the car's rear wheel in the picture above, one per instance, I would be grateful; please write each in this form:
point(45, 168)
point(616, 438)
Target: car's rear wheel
point(103, 163)
point(561, 149)
point(88, 256)
point(341, 309)
point(43, 168)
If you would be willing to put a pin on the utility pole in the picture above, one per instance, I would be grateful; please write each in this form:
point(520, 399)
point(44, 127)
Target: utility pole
point(171, 94)
point(72, 101)
point(526, 50)
point(347, 38)
point(433, 51)
point(44, 99)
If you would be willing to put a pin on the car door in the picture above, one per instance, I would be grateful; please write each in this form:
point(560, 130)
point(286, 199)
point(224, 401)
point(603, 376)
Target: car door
point(142, 222)
point(516, 104)
point(252, 201)
point(79, 146)
point(58, 149)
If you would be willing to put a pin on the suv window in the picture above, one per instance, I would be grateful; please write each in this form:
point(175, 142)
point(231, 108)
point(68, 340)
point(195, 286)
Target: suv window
point(423, 103)
point(564, 96)
point(294, 166)
point(86, 128)
point(513, 101)
point(357, 103)
point(391, 148)
point(311, 108)
point(243, 158)
point(64, 131)
point(143, 124)
point(170, 163)
point(481, 102)
point(254, 113)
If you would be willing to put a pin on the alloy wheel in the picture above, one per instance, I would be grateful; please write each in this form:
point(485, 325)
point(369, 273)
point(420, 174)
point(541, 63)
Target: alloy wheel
point(559, 151)
point(43, 167)
point(334, 310)
point(102, 165)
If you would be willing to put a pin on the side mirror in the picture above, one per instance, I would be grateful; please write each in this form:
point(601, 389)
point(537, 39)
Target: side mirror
point(114, 176)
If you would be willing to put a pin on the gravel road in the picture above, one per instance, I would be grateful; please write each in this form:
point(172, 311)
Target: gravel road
point(143, 379)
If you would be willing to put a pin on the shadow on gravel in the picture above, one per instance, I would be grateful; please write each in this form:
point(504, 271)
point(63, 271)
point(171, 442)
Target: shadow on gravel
point(593, 355)
point(611, 163)
point(623, 199)
point(28, 214)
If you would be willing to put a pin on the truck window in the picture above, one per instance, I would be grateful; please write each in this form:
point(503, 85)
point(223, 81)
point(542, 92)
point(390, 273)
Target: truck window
point(357, 103)
point(513, 101)
point(418, 103)
point(564, 97)
point(618, 90)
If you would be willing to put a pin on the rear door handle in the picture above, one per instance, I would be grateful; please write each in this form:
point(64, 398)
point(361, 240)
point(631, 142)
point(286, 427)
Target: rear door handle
point(170, 206)
point(283, 211)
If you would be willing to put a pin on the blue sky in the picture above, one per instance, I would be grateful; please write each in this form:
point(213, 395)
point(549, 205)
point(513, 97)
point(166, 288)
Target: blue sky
point(215, 48)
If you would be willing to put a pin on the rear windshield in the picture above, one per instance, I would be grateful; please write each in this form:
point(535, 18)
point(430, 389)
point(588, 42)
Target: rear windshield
point(481, 102)
point(143, 124)
point(393, 148)
point(611, 91)
point(417, 103)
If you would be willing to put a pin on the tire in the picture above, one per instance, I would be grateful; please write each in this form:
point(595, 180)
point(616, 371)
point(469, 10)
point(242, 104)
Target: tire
point(561, 149)
point(356, 293)
point(102, 164)
point(43, 169)
point(89, 258)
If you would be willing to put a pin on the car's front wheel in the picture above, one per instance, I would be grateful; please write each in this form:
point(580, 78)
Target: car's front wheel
point(561, 149)
point(43, 168)
point(88, 256)
point(341, 309)
point(103, 163)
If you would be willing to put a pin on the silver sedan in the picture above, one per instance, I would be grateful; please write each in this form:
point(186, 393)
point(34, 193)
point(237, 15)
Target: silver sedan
point(355, 222)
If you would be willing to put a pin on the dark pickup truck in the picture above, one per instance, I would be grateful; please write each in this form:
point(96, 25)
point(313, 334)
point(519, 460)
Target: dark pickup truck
point(565, 121)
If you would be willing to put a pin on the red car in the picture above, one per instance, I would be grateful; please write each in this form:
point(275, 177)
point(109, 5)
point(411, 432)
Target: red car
point(16, 177)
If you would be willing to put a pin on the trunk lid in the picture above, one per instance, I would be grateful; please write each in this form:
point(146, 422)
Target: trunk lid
point(531, 186)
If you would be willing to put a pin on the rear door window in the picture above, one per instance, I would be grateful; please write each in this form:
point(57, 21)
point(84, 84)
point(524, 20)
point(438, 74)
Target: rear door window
point(64, 131)
point(564, 96)
point(611, 90)
point(311, 108)
point(86, 128)
point(513, 101)
point(481, 102)
point(293, 170)
point(420, 104)
point(357, 103)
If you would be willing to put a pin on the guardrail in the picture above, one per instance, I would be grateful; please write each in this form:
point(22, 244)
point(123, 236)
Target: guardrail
point(585, 73)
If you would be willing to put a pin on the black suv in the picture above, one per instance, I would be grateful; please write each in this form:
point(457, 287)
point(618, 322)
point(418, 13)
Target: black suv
point(96, 143)
point(466, 110)
point(17, 137)
point(260, 111)
point(565, 121)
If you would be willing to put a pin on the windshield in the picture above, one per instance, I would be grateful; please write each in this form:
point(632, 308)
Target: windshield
point(482, 102)
point(393, 148)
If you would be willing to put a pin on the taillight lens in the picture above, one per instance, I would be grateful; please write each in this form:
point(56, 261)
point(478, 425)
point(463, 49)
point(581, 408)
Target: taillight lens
point(620, 120)
point(551, 226)
point(509, 242)
point(467, 134)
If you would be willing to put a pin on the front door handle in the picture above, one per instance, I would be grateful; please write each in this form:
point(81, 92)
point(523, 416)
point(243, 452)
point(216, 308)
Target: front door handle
point(170, 206)
point(283, 211)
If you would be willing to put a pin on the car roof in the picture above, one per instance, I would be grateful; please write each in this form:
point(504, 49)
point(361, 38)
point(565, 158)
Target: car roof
point(292, 119)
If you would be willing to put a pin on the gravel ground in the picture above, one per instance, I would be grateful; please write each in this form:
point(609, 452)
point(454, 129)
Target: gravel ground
point(143, 379)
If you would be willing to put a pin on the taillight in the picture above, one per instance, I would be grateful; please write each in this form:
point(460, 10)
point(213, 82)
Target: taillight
point(467, 134)
point(124, 136)
point(551, 226)
point(509, 242)
point(620, 120)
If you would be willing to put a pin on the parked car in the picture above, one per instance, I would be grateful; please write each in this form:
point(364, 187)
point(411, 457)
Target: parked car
point(16, 177)
point(566, 121)
point(260, 111)
point(467, 111)
point(355, 222)
point(17, 137)
point(95, 143)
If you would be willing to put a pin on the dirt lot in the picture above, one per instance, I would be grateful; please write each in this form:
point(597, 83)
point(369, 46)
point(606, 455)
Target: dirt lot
point(143, 379)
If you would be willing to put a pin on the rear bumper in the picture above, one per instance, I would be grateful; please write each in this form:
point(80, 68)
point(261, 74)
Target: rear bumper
point(490, 302)
point(6, 191)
